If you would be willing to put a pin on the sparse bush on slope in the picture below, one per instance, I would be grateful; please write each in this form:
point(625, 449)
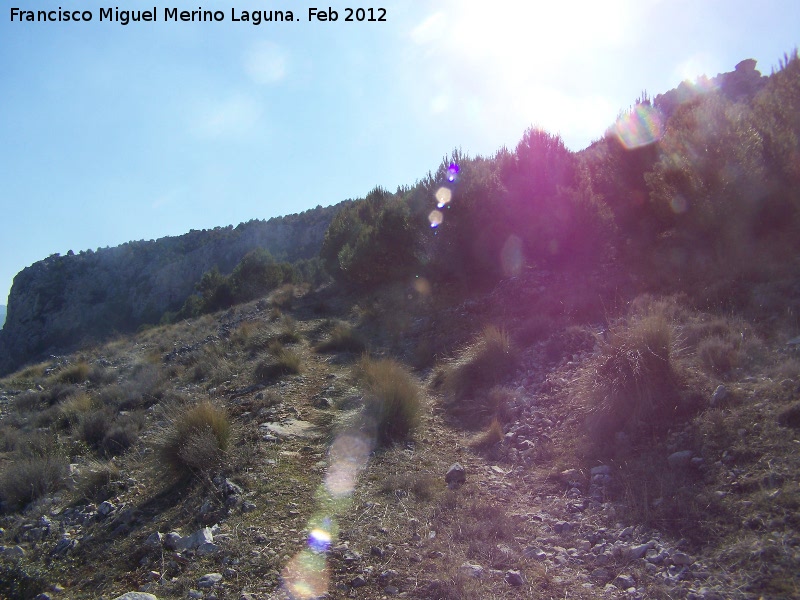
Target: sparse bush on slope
point(28, 478)
point(76, 373)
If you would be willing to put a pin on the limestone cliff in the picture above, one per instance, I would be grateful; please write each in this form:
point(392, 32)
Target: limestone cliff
point(61, 302)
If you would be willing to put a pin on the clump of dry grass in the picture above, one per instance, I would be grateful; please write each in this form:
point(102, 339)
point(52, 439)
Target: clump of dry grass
point(422, 486)
point(288, 333)
point(95, 478)
point(719, 355)
point(74, 407)
point(75, 373)
point(212, 366)
point(122, 434)
point(28, 478)
point(489, 439)
point(483, 364)
point(533, 329)
point(633, 382)
point(283, 297)
point(196, 439)
point(342, 338)
point(393, 399)
point(281, 362)
point(790, 416)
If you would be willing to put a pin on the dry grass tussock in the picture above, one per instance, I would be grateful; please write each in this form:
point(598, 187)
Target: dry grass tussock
point(485, 363)
point(633, 383)
point(196, 439)
point(281, 361)
point(29, 478)
point(342, 338)
point(393, 399)
point(75, 373)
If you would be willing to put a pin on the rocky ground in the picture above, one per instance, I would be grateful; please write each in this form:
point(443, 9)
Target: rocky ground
point(306, 506)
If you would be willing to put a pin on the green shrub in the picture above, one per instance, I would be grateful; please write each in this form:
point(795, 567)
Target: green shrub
point(29, 478)
point(10, 438)
point(22, 580)
point(196, 439)
point(27, 401)
point(38, 444)
point(371, 241)
point(393, 399)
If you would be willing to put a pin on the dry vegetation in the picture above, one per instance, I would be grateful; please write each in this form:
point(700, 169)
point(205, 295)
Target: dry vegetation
point(164, 425)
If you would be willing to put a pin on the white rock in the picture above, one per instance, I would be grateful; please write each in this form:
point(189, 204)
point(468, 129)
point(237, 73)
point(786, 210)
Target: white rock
point(471, 570)
point(680, 459)
point(637, 552)
point(105, 509)
point(681, 559)
point(209, 580)
point(174, 541)
point(198, 538)
point(601, 470)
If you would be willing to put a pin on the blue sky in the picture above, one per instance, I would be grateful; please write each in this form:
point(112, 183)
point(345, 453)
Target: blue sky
point(112, 133)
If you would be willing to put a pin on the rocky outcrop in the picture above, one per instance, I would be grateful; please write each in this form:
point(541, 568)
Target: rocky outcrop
point(62, 302)
point(741, 84)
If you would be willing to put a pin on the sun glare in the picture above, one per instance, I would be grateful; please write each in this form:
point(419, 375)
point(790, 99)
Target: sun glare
point(520, 64)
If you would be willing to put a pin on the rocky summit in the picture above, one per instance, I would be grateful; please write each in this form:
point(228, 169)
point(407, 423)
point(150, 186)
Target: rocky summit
point(64, 301)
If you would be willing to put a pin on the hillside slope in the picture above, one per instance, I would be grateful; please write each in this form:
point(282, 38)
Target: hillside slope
point(305, 503)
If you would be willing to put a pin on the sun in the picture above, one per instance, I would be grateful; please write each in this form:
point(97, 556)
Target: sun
point(509, 65)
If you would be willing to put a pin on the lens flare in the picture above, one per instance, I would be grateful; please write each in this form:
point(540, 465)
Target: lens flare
point(436, 217)
point(319, 540)
point(452, 172)
point(640, 127)
point(306, 576)
point(443, 197)
point(679, 204)
point(422, 286)
point(512, 256)
point(349, 454)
